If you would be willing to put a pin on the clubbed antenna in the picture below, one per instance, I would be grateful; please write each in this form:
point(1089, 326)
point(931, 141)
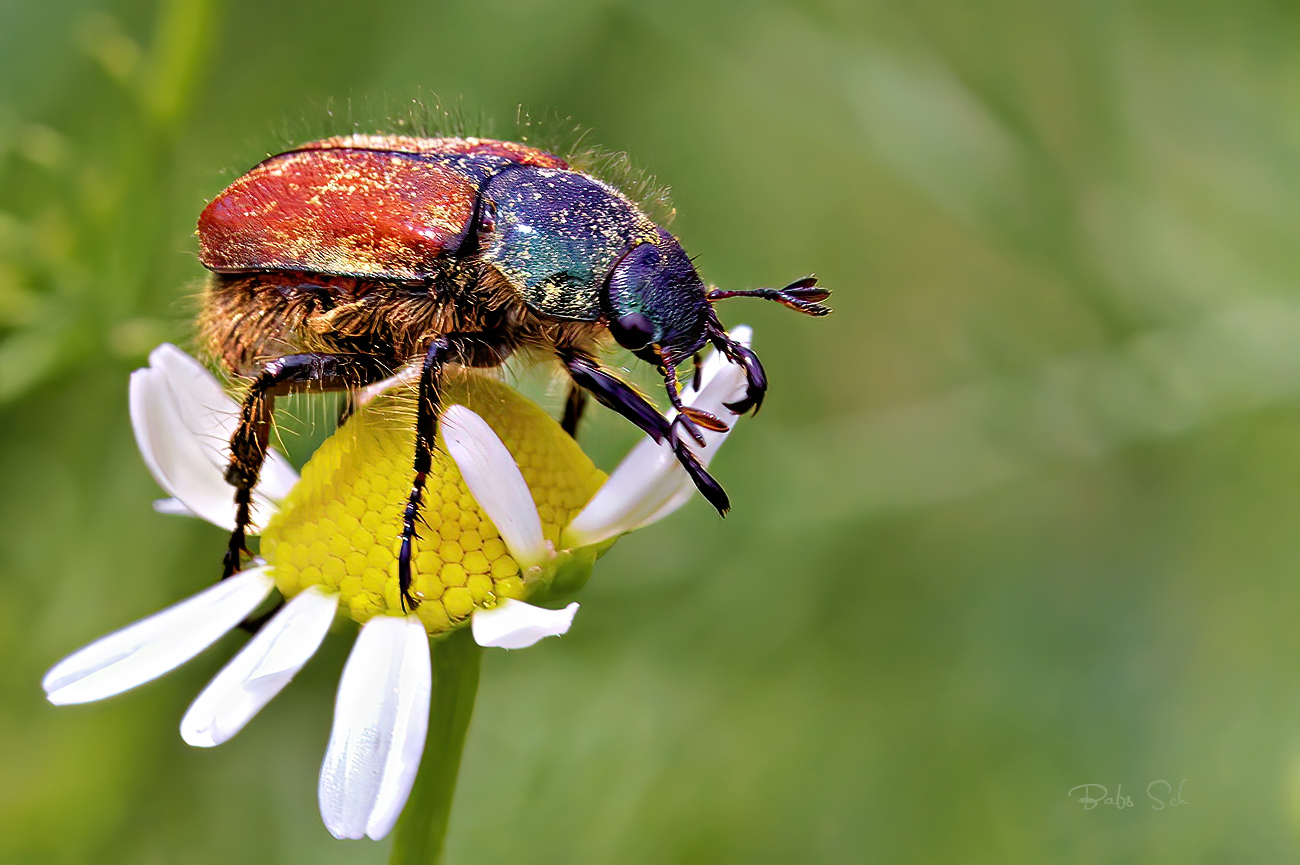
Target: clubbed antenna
point(802, 295)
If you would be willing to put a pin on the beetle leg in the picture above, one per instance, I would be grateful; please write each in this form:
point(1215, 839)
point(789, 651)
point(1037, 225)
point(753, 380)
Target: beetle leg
point(614, 393)
point(248, 444)
point(574, 405)
point(448, 348)
point(688, 418)
point(704, 482)
point(755, 377)
point(426, 431)
point(704, 419)
point(668, 369)
point(347, 406)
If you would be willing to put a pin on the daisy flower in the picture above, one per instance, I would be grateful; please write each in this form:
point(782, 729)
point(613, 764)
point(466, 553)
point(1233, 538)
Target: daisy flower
point(514, 516)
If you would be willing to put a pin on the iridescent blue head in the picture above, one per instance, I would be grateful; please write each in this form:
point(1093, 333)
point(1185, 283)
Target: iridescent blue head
point(655, 302)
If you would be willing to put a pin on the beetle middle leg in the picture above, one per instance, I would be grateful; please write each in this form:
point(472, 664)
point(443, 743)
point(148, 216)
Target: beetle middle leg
point(284, 375)
point(448, 348)
point(614, 393)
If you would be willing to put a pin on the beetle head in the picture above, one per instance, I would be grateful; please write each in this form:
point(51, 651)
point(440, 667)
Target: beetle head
point(658, 308)
point(655, 302)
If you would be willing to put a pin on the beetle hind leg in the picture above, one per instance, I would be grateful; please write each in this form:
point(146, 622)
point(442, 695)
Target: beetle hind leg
point(248, 444)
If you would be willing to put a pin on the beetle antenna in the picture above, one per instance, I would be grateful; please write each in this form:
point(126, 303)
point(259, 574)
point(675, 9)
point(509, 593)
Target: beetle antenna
point(802, 295)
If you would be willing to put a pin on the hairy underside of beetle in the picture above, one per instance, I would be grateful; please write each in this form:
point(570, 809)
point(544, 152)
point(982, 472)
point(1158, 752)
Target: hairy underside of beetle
point(248, 319)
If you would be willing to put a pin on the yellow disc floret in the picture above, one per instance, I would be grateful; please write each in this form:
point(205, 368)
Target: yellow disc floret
point(341, 526)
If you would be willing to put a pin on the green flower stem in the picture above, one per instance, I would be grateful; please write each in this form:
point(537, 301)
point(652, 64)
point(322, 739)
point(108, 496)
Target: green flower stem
point(418, 838)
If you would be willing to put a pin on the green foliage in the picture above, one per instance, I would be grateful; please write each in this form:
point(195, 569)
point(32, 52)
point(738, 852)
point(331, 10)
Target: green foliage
point(1019, 516)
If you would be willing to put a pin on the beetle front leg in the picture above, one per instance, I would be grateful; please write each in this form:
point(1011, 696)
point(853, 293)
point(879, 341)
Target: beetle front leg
point(755, 376)
point(704, 482)
point(688, 418)
point(614, 393)
point(248, 444)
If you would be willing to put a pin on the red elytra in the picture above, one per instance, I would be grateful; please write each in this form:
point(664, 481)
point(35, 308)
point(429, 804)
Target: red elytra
point(360, 205)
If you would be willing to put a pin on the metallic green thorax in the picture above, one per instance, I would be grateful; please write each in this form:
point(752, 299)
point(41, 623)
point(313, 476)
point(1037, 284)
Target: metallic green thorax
point(558, 234)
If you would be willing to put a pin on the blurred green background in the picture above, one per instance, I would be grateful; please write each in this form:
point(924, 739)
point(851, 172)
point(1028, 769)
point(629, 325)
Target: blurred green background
point(1020, 516)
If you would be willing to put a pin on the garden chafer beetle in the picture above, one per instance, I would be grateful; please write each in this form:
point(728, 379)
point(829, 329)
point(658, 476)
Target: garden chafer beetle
point(342, 261)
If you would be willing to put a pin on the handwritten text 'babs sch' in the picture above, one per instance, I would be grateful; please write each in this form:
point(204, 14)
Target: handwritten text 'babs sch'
point(1158, 792)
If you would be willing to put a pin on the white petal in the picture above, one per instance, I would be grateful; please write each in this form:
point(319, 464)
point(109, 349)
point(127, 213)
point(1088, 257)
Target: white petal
point(212, 415)
point(685, 490)
point(639, 486)
point(649, 483)
point(515, 625)
point(173, 508)
point(494, 480)
point(260, 670)
point(174, 457)
point(405, 376)
point(273, 484)
point(183, 421)
point(381, 716)
point(156, 645)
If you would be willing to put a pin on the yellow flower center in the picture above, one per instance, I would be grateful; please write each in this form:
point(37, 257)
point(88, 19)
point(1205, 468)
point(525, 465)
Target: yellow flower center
point(341, 526)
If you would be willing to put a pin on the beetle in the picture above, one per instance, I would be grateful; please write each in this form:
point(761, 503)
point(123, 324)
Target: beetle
point(341, 261)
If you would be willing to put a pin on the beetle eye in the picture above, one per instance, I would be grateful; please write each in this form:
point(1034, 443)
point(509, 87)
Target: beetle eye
point(633, 331)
